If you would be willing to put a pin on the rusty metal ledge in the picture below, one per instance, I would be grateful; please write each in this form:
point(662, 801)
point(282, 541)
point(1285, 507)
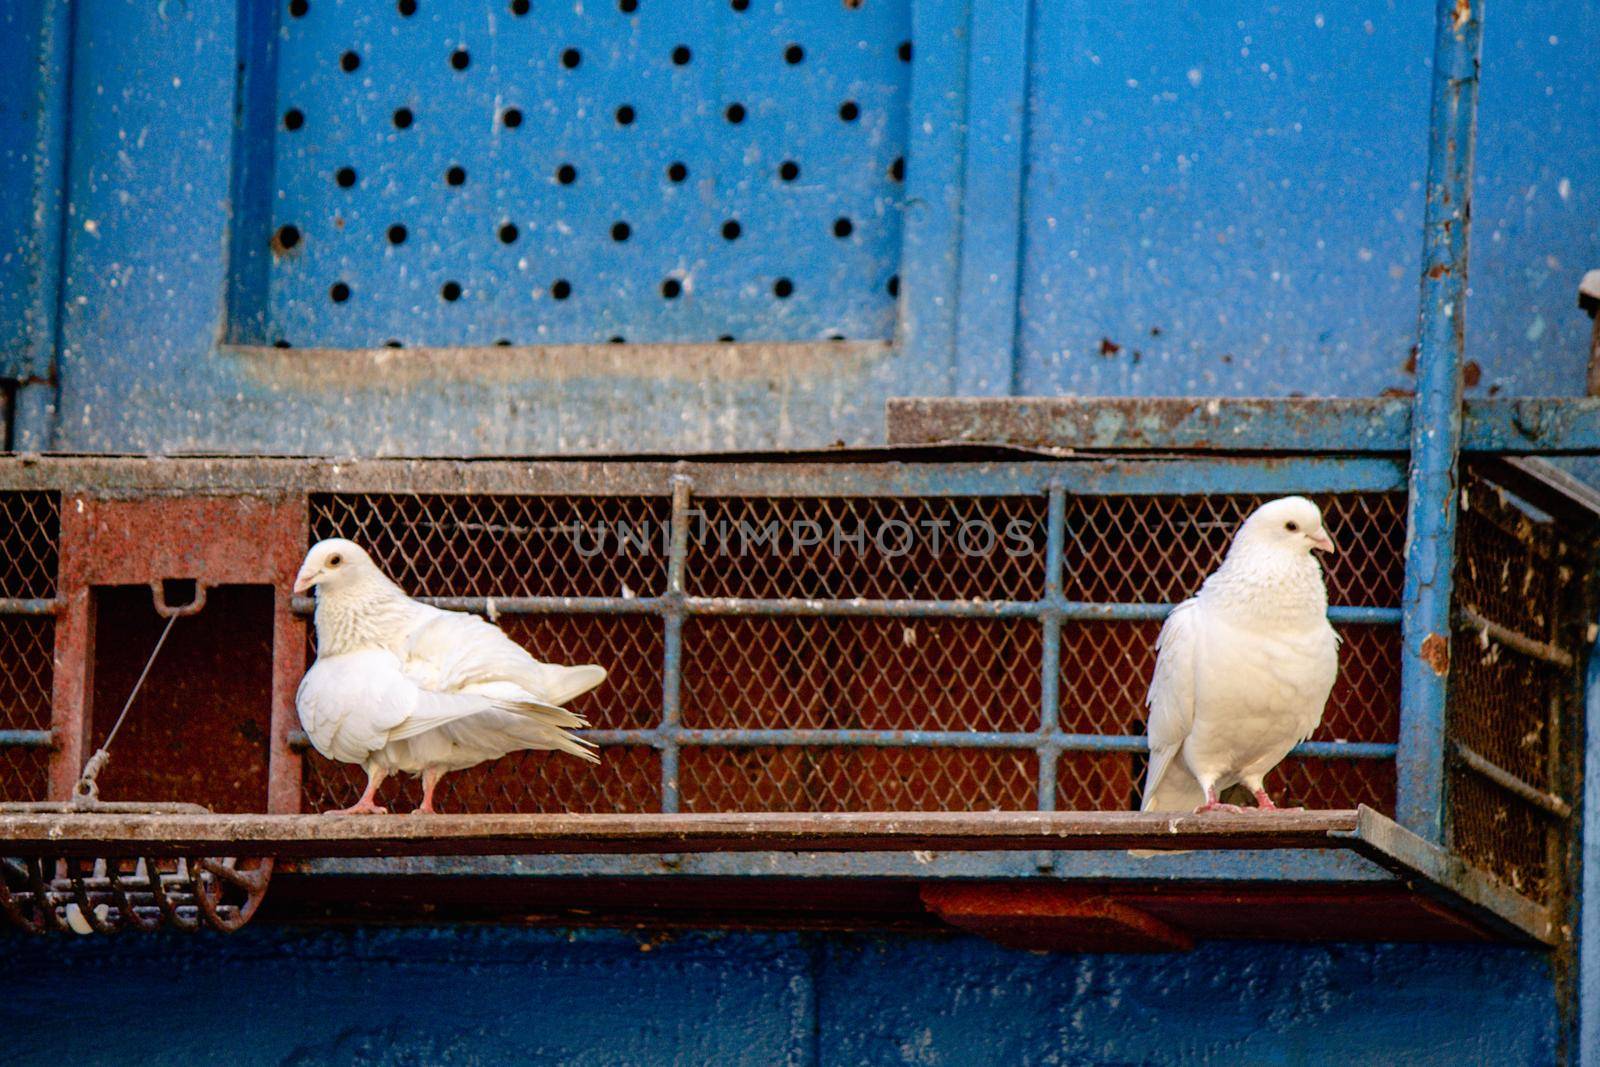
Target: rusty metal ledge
point(1426, 869)
point(1447, 877)
point(300, 836)
point(1518, 425)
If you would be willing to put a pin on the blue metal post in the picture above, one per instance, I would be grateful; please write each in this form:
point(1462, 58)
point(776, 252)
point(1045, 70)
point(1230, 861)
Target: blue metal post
point(991, 230)
point(1050, 669)
point(672, 643)
point(1436, 420)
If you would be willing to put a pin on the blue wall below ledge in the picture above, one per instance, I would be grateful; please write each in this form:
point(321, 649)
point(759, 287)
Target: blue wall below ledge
point(274, 995)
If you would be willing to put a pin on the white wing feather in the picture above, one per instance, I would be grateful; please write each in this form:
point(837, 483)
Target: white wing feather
point(1171, 701)
point(451, 651)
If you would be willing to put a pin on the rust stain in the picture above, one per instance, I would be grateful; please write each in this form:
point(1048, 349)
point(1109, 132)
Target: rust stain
point(1436, 653)
point(1108, 347)
point(396, 370)
point(1471, 373)
point(1462, 13)
point(1438, 270)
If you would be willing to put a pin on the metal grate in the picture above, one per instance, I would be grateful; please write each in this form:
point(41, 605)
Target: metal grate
point(29, 538)
point(780, 679)
point(576, 173)
point(1513, 687)
point(30, 529)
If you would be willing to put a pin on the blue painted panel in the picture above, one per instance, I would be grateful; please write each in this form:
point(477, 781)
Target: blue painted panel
point(585, 173)
point(499, 995)
point(1536, 207)
point(32, 74)
point(1224, 199)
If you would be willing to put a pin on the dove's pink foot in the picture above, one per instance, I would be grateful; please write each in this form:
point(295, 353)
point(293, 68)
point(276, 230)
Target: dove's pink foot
point(1213, 804)
point(430, 782)
point(360, 807)
point(367, 805)
point(1264, 803)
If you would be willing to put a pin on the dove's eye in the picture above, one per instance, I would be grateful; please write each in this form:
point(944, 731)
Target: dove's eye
point(1290, 526)
point(333, 561)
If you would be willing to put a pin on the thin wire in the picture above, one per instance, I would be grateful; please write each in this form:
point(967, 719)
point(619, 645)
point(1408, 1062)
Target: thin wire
point(105, 745)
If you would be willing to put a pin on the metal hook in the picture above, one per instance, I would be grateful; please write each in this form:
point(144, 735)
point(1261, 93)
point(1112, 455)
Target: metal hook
point(158, 594)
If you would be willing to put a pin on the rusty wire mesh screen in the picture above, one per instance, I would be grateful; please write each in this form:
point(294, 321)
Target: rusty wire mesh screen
point(1516, 569)
point(29, 539)
point(783, 672)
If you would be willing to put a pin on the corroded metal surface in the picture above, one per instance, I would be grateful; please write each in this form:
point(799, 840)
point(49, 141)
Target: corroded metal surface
point(393, 835)
point(1236, 424)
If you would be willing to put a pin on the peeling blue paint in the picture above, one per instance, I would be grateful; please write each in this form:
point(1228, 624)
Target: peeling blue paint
point(496, 995)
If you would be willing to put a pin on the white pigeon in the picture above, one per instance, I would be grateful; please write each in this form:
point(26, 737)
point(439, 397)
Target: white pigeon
point(1244, 667)
point(402, 686)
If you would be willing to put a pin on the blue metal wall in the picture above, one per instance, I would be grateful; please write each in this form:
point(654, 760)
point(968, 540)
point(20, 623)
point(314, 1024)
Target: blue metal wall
point(490, 996)
point(1099, 198)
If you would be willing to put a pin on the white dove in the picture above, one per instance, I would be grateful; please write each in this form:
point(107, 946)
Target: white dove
point(401, 686)
point(1243, 668)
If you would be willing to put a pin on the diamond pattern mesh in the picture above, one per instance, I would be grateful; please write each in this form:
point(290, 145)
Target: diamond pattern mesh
point(754, 672)
point(1155, 549)
point(861, 674)
point(29, 534)
point(506, 546)
point(858, 779)
point(30, 529)
point(1517, 570)
point(880, 548)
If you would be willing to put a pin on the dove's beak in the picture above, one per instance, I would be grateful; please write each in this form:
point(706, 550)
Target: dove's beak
point(305, 580)
point(1320, 540)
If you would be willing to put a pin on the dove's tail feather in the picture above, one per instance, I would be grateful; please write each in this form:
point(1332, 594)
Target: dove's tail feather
point(546, 728)
point(560, 684)
point(1177, 791)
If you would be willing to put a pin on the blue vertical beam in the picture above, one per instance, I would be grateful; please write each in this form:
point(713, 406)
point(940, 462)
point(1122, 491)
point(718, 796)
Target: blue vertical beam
point(1436, 420)
point(1589, 884)
point(672, 643)
point(930, 256)
point(991, 223)
point(1050, 669)
point(34, 411)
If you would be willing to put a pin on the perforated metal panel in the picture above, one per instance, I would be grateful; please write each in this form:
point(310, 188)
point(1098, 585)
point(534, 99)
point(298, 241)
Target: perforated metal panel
point(453, 173)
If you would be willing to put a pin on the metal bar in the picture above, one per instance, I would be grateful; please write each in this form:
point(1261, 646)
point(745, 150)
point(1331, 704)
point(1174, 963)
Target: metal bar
point(27, 739)
point(1546, 802)
point(29, 605)
point(992, 198)
point(881, 473)
point(1509, 426)
point(1467, 618)
point(1061, 742)
point(1050, 645)
point(672, 642)
point(67, 835)
point(1442, 873)
point(1436, 421)
point(930, 259)
point(1067, 611)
